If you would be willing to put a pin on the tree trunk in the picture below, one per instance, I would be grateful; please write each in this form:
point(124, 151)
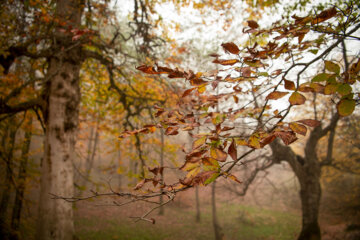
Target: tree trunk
point(19, 197)
point(8, 157)
point(161, 209)
point(310, 194)
point(217, 228)
point(62, 97)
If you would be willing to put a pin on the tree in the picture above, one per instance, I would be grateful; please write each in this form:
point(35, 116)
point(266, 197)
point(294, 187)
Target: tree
point(208, 158)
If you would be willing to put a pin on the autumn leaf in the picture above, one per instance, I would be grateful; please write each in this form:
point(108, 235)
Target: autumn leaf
point(324, 15)
point(147, 69)
point(187, 92)
point(298, 128)
point(254, 141)
point(345, 107)
point(310, 122)
point(253, 24)
point(321, 77)
point(140, 184)
point(332, 67)
point(226, 62)
point(275, 95)
point(210, 164)
point(232, 151)
point(235, 179)
point(297, 99)
point(199, 142)
point(231, 48)
point(344, 89)
point(218, 154)
point(172, 131)
point(289, 85)
point(286, 136)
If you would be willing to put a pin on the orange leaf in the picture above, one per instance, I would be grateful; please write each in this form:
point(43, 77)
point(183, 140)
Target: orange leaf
point(276, 95)
point(187, 92)
point(218, 154)
point(226, 62)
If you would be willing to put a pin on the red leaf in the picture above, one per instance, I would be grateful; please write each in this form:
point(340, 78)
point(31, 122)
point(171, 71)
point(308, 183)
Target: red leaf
point(310, 122)
point(232, 151)
point(231, 48)
point(286, 136)
point(252, 24)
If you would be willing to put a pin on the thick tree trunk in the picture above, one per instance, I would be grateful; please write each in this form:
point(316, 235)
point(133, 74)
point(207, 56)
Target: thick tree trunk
point(19, 197)
point(8, 146)
point(61, 116)
point(310, 194)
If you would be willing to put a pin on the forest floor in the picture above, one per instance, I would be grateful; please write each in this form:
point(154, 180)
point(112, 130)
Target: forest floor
point(238, 222)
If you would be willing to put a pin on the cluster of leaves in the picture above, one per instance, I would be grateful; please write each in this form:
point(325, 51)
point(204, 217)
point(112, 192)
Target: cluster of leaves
point(249, 77)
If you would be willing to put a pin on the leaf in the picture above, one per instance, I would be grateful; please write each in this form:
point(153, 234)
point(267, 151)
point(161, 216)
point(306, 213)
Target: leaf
point(324, 15)
point(232, 177)
point(319, 88)
point(289, 85)
point(286, 136)
point(210, 164)
point(254, 141)
point(344, 89)
point(332, 67)
point(226, 62)
point(187, 92)
point(267, 140)
point(172, 131)
point(188, 166)
point(199, 142)
point(330, 88)
point(210, 178)
point(298, 128)
point(218, 154)
point(140, 184)
point(231, 48)
point(232, 151)
point(275, 95)
point(297, 99)
point(253, 24)
point(310, 122)
point(147, 69)
point(321, 77)
point(345, 107)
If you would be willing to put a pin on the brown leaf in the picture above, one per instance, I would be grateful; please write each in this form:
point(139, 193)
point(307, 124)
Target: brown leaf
point(252, 24)
point(171, 131)
point(286, 136)
point(324, 15)
point(298, 128)
point(310, 122)
point(147, 69)
point(231, 47)
point(226, 62)
point(140, 184)
point(289, 85)
point(267, 140)
point(232, 177)
point(275, 95)
point(297, 99)
point(199, 142)
point(187, 92)
point(232, 151)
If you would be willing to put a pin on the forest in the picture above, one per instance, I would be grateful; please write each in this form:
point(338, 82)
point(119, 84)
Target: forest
point(170, 119)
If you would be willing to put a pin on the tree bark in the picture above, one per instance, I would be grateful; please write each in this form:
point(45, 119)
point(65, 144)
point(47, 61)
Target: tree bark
point(161, 209)
point(19, 197)
point(62, 97)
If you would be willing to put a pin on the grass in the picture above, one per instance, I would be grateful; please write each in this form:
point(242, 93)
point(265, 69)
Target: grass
point(238, 222)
